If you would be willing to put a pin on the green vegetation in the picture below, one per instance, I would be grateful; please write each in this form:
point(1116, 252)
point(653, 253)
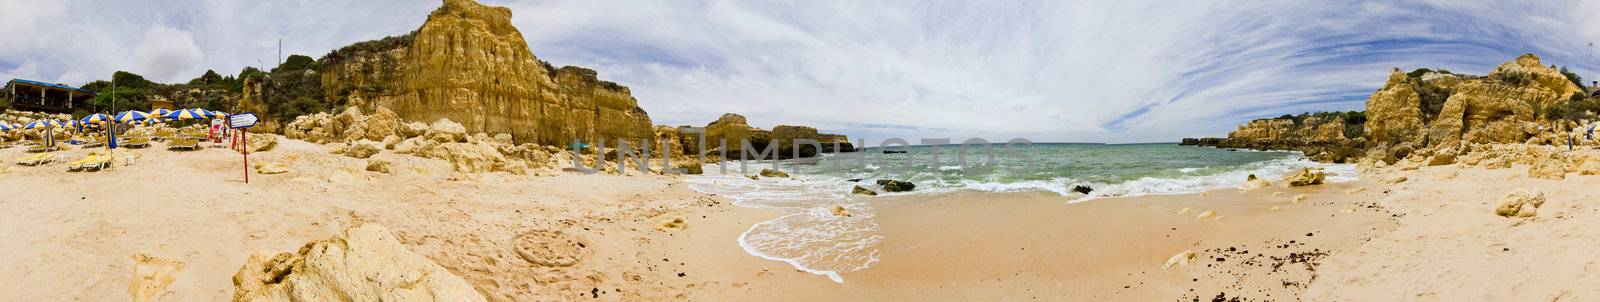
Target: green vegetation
point(1579, 107)
point(296, 62)
point(1576, 80)
point(1354, 121)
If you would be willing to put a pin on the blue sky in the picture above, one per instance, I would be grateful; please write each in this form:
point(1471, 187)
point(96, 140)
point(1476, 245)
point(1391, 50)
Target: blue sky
point(1080, 71)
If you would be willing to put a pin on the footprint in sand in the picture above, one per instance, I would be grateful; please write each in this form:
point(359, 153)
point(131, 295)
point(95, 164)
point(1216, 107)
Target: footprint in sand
point(550, 248)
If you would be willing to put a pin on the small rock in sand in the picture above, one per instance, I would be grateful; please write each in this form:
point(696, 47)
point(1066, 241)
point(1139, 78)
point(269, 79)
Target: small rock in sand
point(1207, 214)
point(669, 221)
point(839, 210)
point(1306, 177)
point(1393, 180)
point(1522, 202)
point(1298, 199)
point(1180, 260)
point(1274, 209)
point(272, 168)
point(378, 165)
point(1355, 190)
point(1548, 169)
point(1448, 174)
point(151, 276)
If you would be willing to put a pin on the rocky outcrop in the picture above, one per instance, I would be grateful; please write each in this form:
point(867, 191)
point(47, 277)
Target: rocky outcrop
point(890, 185)
point(1427, 118)
point(467, 63)
point(1321, 136)
point(364, 263)
point(735, 129)
point(1394, 112)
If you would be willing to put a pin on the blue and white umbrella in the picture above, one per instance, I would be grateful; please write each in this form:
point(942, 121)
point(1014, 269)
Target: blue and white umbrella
point(131, 116)
point(96, 118)
point(41, 124)
point(186, 114)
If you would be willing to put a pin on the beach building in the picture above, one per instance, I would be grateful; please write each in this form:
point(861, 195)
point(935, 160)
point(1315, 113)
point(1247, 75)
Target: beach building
point(1594, 90)
point(39, 96)
point(158, 102)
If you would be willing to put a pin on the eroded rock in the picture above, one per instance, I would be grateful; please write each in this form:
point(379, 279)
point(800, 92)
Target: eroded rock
point(1522, 202)
point(364, 263)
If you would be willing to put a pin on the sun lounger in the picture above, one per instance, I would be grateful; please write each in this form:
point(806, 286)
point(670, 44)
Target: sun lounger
point(43, 148)
point(94, 162)
point(36, 159)
point(93, 143)
point(184, 143)
point(136, 142)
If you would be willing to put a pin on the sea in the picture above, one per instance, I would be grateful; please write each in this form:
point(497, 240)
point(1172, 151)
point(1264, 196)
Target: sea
point(812, 239)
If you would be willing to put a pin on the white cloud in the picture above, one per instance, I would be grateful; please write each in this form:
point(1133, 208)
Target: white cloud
point(167, 53)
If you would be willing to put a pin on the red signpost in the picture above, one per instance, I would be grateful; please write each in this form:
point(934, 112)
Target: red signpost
point(242, 122)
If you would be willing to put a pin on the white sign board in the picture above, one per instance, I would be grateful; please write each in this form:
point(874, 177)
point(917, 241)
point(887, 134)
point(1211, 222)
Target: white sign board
point(242, 120)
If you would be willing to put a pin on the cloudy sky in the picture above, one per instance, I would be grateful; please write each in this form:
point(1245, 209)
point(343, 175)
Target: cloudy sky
point(1080, 71)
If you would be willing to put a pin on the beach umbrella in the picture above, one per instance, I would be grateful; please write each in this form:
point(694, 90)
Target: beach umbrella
point(160, 113)
point(73, 124)
point(95, 118)
point(50, 139)
point(131, 116)
point(6, 127)
point(186, 114)
point(41, 124)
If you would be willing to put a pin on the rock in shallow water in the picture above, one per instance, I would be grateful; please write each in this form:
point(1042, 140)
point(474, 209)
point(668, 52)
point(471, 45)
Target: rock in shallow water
point(896, 186)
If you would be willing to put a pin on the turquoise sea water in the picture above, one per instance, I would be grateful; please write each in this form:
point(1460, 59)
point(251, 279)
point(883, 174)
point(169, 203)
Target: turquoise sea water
point(814, 240)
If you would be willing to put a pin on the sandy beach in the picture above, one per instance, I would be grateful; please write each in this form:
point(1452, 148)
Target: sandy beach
point(1433, 236)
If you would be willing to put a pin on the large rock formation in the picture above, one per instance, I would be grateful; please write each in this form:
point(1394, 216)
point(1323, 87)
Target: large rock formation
point(468, 63)
point(1321, 136)
point(1502, 107)
point(363, 263)
point(1436, 118)
point(735, 130)
point(1394, 112)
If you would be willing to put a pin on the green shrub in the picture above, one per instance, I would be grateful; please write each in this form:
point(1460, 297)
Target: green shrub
point(1576, 80)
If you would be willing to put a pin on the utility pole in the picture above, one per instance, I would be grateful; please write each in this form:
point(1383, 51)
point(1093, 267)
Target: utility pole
point(280, 51)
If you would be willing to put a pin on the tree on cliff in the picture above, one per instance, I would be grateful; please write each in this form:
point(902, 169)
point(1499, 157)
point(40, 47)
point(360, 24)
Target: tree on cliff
point(296, 62)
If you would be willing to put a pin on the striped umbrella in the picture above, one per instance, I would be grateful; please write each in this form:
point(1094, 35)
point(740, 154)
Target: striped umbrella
point(96, 118)
point(186, 114)
point(50, 138)
point(160, 113)
point(6, 127)
point(131, 116)
point(41, 124)
point(219, 114)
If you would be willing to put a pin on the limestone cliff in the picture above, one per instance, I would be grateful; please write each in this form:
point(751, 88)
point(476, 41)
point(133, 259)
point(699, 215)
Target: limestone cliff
point(467, 63)
point(735, 129)
point(1503, 107)
point(1436, 116)
point(1323, 136)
